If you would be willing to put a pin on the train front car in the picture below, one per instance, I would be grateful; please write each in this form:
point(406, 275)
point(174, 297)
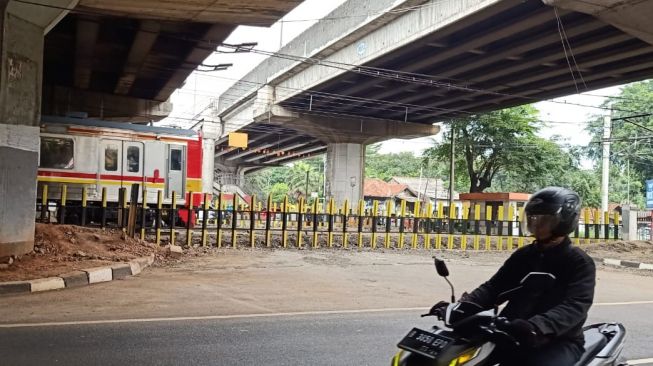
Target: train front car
point(95, 154)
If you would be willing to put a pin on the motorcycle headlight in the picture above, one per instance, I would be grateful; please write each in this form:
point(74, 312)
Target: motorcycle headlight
point(465, 357)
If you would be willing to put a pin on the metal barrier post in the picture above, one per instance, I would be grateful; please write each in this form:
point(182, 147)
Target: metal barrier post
point(157, 224)
point(173, 217)
point(220, 217)
point(500, 227)
point(125, 215)
point(597, 225)
point(428, 226)
point(606, 225)
point(84, 202)
point(616, 225)
point(104, 208)
point(143, 213)
point(388, 222)
point(440, 217)
point(315, 223)
point(300, 219)
point(332, 208)
point(510, 219)
point(252, 222)
point(586, 225)
point(488, 227)
point(415, 220)
point(463, 239)
point(284, 222)
point(345, 235)
point(520, 241)
point(361, 214)
point(268, 222)
point(189, 204)
point(44, 202)
point(234, 221)
point(477, 226)
point(375, 210)
point(452, 217)
point(62, 204)
point(402, 224)
point(205, 218)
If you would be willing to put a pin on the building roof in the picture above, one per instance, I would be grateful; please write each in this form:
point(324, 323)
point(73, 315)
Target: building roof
point(373, 187)
point(435, 188)
point(495, 196)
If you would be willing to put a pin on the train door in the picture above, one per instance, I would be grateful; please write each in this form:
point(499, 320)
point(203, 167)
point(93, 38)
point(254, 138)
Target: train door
point(176, 170)
point(111, 166)
point(132, 165)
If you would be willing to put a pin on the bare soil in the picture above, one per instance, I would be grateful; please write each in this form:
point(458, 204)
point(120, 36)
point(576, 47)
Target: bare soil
point(637, 250)
point(60, 249)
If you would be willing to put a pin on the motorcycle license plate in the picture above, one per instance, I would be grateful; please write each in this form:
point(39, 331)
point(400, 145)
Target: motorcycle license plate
point(424, 343)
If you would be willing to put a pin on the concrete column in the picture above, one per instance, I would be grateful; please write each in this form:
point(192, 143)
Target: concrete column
point(345, 172)
point(210, 133)
point(629, 223)
point(21, 64)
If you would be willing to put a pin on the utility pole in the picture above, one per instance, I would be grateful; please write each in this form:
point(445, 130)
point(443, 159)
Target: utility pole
point(307, 195)
point(606, 163)
point(452, 166)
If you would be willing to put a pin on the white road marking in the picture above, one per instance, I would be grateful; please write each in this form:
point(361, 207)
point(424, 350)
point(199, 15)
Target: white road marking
point(256, 315)
point(644, 361)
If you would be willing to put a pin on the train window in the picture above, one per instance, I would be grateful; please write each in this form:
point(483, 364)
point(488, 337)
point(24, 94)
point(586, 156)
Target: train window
point(133, 159)
point(111, 158)
point(57, 153)
point(175, 159)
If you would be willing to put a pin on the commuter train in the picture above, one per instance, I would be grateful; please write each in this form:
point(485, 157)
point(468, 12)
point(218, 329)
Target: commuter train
point(97, 154)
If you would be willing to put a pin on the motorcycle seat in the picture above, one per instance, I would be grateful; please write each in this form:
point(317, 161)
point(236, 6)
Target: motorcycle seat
point(594, 343)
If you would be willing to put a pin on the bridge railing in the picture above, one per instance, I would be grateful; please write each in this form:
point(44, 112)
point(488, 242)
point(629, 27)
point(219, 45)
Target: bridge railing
point(232, 223)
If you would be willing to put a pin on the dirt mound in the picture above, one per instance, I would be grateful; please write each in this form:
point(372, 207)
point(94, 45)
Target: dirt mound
point(636, 250)
point(60, 249)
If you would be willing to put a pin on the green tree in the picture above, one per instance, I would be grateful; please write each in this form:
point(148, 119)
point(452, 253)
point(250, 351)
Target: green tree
point(491, 143)
point(278, 191)
point(631, 155)
point(403, 164)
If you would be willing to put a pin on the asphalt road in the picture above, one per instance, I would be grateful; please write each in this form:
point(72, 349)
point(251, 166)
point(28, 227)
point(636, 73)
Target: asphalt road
point(363, 338)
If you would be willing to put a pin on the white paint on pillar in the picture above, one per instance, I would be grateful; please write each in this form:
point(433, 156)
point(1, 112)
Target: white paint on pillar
point(345, 172)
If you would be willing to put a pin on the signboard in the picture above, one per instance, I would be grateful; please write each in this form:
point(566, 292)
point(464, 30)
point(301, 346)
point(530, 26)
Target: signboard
point(649, 193)
point(238, 139)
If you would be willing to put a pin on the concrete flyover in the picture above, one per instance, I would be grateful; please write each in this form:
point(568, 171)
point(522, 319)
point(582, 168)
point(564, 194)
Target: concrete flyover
point(420, 62)
point(111, 59)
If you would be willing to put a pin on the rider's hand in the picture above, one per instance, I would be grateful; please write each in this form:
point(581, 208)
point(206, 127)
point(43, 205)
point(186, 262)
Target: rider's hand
point(439, 309)
point(523, 331)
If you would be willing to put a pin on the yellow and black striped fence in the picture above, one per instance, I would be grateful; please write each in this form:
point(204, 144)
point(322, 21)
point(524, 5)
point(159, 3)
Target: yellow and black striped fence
point(216, 221)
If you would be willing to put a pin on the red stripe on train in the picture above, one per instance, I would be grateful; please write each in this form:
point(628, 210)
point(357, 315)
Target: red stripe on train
point(46, 173)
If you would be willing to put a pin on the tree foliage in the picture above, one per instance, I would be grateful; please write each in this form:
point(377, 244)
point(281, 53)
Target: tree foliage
point(403, 164)
point(631, 153)
point(496, 142)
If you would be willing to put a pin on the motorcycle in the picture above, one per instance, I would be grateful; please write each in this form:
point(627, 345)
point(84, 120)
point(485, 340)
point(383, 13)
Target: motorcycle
point(472, 340)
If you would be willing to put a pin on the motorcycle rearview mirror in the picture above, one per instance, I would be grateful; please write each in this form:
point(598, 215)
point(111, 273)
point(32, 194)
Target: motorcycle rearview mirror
point(441, 267)
point(443, 271)
point(539, 281)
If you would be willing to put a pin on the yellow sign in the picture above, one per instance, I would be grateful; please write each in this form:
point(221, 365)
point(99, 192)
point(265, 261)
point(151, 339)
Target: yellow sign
point(238, 139)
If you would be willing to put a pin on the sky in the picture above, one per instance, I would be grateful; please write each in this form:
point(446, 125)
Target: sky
point(567, 120)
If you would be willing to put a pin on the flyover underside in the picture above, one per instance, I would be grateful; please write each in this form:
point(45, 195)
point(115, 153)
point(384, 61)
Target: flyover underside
point(268, 145)
point(492, 59)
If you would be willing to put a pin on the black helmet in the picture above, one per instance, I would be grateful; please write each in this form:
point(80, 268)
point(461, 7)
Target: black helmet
point(560, 207)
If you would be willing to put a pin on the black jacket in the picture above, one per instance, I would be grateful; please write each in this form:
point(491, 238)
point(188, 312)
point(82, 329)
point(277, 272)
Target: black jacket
point(556, 313)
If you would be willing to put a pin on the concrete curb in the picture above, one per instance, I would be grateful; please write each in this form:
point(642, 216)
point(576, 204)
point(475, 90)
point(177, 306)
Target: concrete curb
point(624, 263)
point(78, 278)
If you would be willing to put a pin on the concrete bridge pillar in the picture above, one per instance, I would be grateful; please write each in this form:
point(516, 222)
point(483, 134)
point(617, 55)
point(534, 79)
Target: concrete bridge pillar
point(345, 171)
point(22, 28)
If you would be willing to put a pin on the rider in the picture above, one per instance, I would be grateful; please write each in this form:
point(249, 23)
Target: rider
point(547, 324)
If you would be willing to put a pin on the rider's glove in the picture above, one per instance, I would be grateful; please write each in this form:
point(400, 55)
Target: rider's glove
point(439, 309)
point(523, 331)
